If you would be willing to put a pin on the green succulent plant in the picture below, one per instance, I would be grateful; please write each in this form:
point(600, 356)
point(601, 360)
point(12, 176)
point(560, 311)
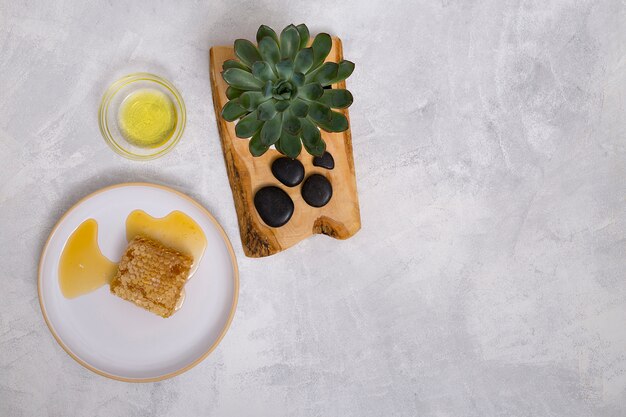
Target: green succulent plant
point(277, 91)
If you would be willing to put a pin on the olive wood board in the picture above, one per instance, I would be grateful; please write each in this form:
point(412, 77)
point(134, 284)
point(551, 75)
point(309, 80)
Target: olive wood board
point(340, 218)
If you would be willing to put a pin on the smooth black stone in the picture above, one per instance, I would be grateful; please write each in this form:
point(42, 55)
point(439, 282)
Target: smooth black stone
point(324, 161)
point(288, 171)
point(274, 206)
point(316, 190)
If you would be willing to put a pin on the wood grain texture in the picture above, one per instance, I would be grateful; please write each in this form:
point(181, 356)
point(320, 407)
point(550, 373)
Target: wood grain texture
point(340, 218)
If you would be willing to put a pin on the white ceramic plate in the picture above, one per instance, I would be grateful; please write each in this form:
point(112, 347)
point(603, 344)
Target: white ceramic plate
point(112, 336)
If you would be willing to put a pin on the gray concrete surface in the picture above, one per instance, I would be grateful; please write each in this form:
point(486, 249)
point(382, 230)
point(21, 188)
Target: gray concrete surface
point(490, 148)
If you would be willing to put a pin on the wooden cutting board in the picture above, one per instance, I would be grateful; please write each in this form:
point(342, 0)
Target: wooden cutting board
point(340, 218)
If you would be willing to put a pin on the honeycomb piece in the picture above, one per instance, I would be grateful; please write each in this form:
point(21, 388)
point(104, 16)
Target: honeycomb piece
point(151, 275)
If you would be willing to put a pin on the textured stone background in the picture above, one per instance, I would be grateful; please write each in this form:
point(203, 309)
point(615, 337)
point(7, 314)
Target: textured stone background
point(490, 147)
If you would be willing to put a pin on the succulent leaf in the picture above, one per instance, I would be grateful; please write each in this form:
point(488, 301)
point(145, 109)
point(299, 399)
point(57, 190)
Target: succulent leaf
point(298, 79)
point(285, 69)
point(248, 126)
point(289, 145)
point(256, 147)
point(291, 123)
point(232, 92)
point(344, 70)
point(324, 74)
point(271, 130)
point(251, 99)
point(316, 149)
point(267, 110)
point(268, 48)
point(336, 98)
point(319, 113)
point(304, 35)
point(263, 71)
point(312, 138)
point(311, 91)
point(299, 108)
point(289, 42)
point(241, 79)
point(233, 111)
point(304, 60)
point(266, 31)
point(321, 48)
point(247, 52)
point(233, 63)
point(337, 123)
point(267, 88)
point(277, 146)
point(282, 105)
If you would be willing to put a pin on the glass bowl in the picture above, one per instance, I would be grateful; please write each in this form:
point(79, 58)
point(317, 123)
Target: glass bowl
point(112, 102)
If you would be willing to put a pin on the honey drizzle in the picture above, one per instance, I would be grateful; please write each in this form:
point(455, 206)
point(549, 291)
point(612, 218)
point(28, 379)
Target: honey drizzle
point(83, 268)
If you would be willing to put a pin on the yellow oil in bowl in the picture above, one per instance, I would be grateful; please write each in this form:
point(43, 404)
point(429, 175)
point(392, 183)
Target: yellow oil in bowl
point(147, 118)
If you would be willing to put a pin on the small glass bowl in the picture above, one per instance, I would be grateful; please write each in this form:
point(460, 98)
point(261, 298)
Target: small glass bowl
point(110, 105)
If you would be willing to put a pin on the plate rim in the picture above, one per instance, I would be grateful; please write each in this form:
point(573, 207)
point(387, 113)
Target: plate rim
point(209, 350)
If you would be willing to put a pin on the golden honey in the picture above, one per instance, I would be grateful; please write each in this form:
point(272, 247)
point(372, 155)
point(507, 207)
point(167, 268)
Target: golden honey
point(83, 268)
point(147, 118)
point(176, 230)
